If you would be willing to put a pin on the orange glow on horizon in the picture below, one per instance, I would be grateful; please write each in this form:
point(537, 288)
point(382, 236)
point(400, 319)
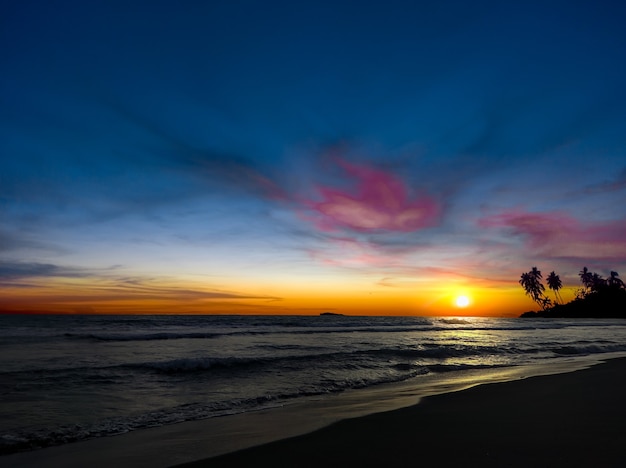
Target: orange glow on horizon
point(81, 296)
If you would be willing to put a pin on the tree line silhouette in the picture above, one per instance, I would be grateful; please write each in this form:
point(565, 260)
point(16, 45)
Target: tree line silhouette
point(598, 296)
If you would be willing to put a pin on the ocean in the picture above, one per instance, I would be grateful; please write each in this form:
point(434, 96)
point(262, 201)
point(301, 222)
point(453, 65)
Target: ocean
point(70, 378)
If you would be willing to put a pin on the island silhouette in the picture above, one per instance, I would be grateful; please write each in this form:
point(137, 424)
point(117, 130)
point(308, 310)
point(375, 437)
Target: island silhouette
point(598, 297)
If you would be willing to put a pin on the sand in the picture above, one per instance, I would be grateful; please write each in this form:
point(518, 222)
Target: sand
point(569, 419)
point(576, 419)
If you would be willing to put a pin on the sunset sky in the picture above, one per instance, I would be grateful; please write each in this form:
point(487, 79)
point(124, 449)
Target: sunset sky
point(298, 157)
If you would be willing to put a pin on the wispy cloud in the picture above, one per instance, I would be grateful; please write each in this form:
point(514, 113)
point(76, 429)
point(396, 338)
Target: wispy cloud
point(218, 169)
point(106, 285)
point(158, 289)
point(418, 277)
point(349, 252)
point(558, 235)
point(616, 184)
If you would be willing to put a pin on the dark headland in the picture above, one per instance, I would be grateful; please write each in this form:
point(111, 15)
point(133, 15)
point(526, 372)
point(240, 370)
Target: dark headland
point(597, 298)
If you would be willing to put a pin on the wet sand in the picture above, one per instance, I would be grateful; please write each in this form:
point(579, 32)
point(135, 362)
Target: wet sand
point(576, 419)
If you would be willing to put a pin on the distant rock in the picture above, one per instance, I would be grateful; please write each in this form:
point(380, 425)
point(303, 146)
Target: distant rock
point(326, 314)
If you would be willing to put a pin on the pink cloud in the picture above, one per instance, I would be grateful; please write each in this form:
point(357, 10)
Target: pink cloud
point(560, 235)
point(379, 201)
point(345, 252)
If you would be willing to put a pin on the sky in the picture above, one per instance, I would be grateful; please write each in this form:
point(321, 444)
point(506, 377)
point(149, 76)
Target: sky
point(283, 157)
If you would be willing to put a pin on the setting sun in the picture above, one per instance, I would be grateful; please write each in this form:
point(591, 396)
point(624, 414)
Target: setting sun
point(462, 301)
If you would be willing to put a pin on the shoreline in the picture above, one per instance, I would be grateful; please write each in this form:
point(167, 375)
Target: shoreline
point(208, 441)
point(573, 419)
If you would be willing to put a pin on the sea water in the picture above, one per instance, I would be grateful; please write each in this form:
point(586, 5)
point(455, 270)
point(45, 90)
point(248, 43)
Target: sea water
point(70, 378)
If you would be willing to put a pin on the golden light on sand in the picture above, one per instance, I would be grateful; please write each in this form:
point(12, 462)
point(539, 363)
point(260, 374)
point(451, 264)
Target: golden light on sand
point(462, 301)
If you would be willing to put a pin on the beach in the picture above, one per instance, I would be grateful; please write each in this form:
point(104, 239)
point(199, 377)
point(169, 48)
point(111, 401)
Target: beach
point(572, 419)
point(171, 378)
point(567, 419)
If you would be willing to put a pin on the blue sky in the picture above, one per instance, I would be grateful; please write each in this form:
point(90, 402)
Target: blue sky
point(271, 152)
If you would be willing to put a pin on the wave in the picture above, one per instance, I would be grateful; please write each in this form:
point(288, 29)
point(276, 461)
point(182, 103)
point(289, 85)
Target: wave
point(250, 332)
point(211, 335)
point(301, 328)
point(22, 440)
point(442, 368)
point(455, 321)
point(373, 358)
point(390, 357)
point(340, 361)
point(587, 349)
point(141, 336)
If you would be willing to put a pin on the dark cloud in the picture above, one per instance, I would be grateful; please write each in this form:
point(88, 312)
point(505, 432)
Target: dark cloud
point(17, 270)
point(135, 165)
point(609, 186)
point(176, 154)
point(10, 242)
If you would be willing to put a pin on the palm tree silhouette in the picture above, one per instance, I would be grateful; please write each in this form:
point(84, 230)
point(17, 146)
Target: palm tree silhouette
point(531, 282)
point(586, 278)
point(598, 297)
point(554, 283)
point(597, 282)
point(614, 280)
